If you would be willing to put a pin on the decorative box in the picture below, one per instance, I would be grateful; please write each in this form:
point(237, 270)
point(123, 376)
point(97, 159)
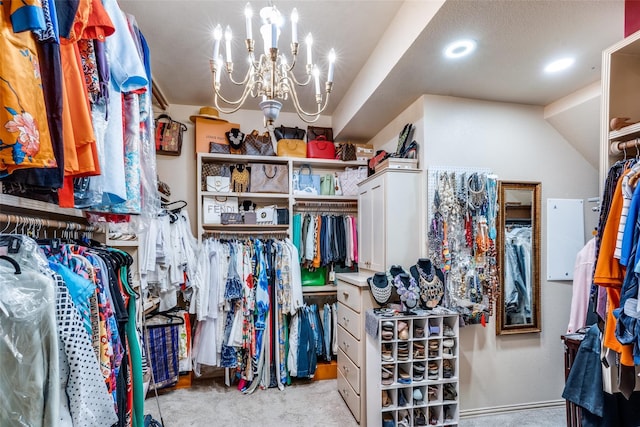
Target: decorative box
point(231, 218)
point(397, 163)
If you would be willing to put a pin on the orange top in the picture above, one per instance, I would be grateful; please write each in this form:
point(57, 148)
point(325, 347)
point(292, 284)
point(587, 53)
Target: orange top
point(609, 339)
point(609, 272)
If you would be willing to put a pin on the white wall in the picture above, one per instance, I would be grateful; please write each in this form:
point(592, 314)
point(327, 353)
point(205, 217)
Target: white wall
point(180, 172)
point(519, 145)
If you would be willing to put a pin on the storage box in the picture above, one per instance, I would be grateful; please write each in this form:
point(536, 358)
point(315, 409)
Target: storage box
point(397, 163)
point(364, 151)
point(208, 131)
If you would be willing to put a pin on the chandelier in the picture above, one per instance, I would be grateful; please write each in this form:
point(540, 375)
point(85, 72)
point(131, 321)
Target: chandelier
point(270, 76)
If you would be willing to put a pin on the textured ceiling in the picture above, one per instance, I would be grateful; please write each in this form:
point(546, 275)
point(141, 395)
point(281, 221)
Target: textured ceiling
point(515, 40)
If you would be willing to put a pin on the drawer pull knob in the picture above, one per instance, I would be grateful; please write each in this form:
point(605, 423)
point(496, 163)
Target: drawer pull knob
point(346, 294)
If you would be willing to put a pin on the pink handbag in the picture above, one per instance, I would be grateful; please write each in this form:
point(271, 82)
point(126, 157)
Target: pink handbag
point(320, 148)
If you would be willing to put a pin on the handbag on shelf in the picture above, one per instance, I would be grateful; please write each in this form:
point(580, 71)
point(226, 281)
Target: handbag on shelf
point(266, 215)
point(269, 178)
point(350, 178)
point(346, 152)
point(214, 207)
point(236, 141)
point(213, 169)
point(307, 183)
point(327, 185)
point(284, 132)
point(256, 144)
point(218, 148)
point(321, 148)
point(240, 179)
point(313, 132)
point(282, 216)
point(315, 277)
point(169, 135)
point(292, 148)
point(220, 184)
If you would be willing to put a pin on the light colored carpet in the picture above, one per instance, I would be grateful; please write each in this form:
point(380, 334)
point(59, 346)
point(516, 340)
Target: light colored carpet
point(306, 403)
point(210, 403)
point(544, 417)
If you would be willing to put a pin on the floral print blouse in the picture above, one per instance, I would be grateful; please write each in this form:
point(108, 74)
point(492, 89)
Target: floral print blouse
point(24, 135)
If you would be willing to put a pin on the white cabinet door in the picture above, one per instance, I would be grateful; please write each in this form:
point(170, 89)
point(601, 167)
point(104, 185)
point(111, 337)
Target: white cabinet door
point(365, 228)
point(379, 230)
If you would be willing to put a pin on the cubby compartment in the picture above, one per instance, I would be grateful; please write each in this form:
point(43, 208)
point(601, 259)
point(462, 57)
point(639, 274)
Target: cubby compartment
point(450, 414)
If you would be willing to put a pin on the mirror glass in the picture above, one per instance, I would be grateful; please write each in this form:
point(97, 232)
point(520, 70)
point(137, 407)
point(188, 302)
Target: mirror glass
point(519, 258)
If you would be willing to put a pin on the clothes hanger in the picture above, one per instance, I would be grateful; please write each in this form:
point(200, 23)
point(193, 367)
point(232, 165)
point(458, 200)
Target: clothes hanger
point(13, 262)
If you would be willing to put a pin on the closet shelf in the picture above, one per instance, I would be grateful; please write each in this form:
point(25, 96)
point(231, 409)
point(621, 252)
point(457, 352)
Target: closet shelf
point(296, 161)
point(282, 196)
point(325, 198)
point(122, 243)
point(319, 289)
point(238, 227)
point(22, 204)
point(625, 134)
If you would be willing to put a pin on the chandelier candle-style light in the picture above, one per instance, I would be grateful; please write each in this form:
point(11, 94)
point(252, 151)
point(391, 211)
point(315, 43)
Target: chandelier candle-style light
point(270, 76)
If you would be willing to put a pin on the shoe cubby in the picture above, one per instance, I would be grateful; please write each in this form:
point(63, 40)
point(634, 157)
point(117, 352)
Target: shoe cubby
point(415, 359)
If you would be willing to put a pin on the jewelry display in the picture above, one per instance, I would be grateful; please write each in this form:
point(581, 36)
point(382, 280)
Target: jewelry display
point(461, 242)
point(407, 289)
point(431, 287)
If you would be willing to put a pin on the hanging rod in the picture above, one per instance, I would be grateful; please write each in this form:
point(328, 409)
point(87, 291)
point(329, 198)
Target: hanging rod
point(326, 204)
point(619, 147)
point(48, 223)
point(243, 234)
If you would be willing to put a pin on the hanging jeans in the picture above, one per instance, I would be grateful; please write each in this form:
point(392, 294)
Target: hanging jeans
point(326, 326)
point(307, 357)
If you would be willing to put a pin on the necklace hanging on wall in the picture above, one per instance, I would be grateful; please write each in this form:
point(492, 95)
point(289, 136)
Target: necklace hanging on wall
point(477, 193)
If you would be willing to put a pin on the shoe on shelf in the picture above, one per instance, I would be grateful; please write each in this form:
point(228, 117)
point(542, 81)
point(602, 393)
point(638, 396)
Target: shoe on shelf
point(448, 331)
point(449, 342)
point(447, 353)
point(419, 354)
point(418, 332)
point(387, 324)
point(449, 391)
point(434, 330)
point(417, 396)
point(403, 377)
point(386, 400)
point(420, 419)
point(434, 345)
point(402, 400)
point(387, 335)
point(402, 325)
point(432, 391)
point(387, 421)
point(403, 334)
point(403, 417)
point(447, 368)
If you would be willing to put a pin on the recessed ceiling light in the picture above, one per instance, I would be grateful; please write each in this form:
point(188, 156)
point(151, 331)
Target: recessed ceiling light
point(559, 65)
point(459, 48)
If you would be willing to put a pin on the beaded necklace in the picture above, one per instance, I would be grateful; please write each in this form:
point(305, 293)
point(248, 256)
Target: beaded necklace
point(431, 290)
point(492, 205)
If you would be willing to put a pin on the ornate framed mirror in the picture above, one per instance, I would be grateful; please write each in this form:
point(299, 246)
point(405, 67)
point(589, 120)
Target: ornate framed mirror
point(518, 246)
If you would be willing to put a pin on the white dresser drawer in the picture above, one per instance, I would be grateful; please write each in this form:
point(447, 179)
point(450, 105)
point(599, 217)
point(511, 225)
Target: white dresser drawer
point(350, 296)
point(350, 371)
point(350, 397)
point(350, 320)
point(350, 346)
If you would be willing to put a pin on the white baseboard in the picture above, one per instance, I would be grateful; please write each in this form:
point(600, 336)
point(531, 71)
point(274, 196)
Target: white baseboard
point(497, 410)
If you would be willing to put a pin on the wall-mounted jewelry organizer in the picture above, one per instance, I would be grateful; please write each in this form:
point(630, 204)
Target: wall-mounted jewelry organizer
point(461, 231)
